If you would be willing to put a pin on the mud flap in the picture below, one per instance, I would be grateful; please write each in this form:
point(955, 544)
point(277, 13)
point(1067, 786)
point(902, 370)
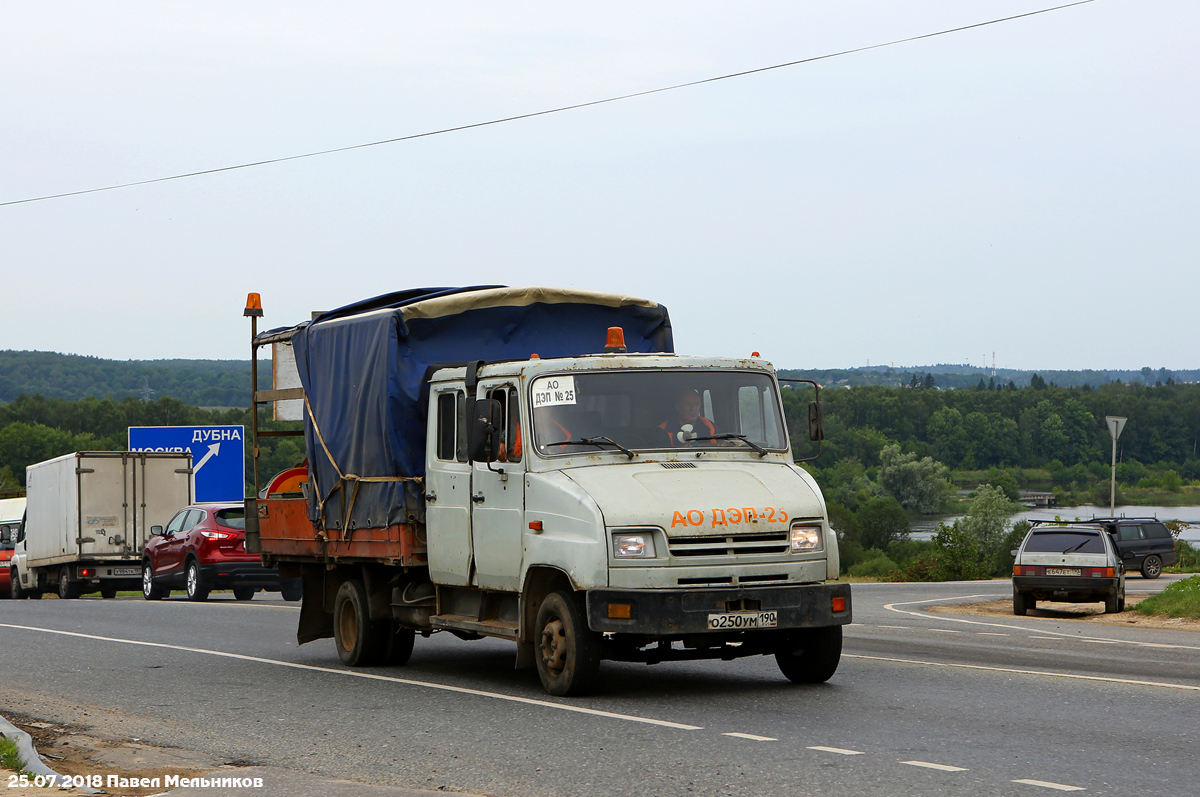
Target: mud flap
point(315, 622)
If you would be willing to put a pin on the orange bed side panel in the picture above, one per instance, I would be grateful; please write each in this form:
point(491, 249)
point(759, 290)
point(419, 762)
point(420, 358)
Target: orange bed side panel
point(286, 531)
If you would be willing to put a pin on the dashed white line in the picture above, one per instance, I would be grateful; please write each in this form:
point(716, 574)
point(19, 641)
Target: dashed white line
point(939, 767)
point(1055, 638)
point(991, 633)
point(1045, 784)
point(905, 627)
point(751, 737)
point(943, 630)
point(838, 750)
point(1100, 641)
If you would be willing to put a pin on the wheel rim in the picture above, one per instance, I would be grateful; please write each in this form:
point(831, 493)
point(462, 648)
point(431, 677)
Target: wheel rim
point(193, 579)
point(554, 646)
point(1153, 567)
point(348, 626)
point(147, 581)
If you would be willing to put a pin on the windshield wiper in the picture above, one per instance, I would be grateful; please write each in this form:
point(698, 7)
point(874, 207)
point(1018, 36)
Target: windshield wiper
point(598, 440)
point(762, 452)
point(1076, 547)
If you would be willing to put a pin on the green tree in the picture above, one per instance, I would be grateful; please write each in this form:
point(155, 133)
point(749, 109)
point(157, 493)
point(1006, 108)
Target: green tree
point(920, 485)
point(987, 523)
point(881, 522)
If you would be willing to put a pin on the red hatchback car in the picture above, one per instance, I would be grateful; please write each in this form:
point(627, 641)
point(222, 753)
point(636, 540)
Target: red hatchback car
point(204, 548)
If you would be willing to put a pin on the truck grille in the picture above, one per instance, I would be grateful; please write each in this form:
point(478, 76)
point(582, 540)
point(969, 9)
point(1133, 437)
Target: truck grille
point(731, 545)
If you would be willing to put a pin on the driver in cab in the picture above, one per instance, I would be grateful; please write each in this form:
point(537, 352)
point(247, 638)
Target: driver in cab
point(688, 424)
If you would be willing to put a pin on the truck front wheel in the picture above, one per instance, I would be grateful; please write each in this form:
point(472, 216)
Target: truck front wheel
point(567, 651)
point(360, 642)
point(812, 656)
point(14, 587)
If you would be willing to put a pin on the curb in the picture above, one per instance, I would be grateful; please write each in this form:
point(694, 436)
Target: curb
point(33, 762)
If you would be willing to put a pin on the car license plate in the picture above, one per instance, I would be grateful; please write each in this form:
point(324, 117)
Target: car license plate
point(1063, 571)
point(126, 571)
point(738, 620)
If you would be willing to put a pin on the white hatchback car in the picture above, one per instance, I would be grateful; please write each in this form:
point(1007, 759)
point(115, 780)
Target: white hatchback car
point(1074, 564)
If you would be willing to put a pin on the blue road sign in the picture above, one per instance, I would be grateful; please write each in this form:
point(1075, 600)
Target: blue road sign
point(218, 455)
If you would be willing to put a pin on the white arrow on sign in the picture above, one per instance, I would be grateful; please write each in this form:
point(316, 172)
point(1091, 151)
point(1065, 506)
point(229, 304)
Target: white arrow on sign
point(212, 452)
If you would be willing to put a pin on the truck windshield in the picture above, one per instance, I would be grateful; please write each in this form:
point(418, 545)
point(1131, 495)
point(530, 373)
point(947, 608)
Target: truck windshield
point(656, 410)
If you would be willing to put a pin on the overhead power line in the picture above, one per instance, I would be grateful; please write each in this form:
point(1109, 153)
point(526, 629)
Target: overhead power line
point(548, 111)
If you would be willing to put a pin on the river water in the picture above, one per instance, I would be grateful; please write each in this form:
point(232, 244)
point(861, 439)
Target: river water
point(923, 528)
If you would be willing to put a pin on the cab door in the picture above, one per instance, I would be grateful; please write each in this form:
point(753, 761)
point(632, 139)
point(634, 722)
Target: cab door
point(498, 498)
point(448, 488)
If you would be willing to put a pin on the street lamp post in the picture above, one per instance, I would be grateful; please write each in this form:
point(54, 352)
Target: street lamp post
point(1115, 425)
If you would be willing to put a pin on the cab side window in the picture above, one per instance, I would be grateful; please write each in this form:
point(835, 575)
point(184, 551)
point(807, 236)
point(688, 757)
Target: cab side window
point(451, 426)
point(510, 431)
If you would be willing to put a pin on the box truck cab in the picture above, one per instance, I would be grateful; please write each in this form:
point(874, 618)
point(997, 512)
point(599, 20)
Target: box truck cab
point(622, 505)
point(11, 512)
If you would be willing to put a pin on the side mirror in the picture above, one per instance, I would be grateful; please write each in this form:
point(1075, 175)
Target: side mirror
point(483, 442)
point(816, 420)
point(5, 536)
point(1013, 552)
point(156, 531)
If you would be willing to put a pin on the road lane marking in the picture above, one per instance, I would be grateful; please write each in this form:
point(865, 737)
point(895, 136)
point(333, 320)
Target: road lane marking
point(1055, 638)
point(1045, 784)
point(751, 737)
point(838, 750)
point(893, 626)
point(944, 630)
point(991, 633)
point(940, 767)
point(926, 616)
point(462, 690)
point(1100, 678)
point(1100, 641)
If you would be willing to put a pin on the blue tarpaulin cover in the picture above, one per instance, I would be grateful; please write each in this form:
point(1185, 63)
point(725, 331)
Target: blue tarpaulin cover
point(364, 369)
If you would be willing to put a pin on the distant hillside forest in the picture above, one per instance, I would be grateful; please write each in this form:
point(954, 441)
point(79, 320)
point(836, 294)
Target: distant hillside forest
point(226, 383)
point(200, 383)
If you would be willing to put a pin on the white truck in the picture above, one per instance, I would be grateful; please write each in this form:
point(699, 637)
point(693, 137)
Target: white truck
point(537, 465)
point(88, 516)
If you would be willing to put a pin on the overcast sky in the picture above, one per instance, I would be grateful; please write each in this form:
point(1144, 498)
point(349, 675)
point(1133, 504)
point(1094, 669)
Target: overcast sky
point(1022, 188)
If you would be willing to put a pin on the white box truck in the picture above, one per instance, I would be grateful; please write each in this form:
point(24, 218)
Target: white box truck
point(88, 516)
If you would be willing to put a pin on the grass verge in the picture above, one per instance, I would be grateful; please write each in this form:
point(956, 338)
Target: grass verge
point(1181, 599)
point(10, 756)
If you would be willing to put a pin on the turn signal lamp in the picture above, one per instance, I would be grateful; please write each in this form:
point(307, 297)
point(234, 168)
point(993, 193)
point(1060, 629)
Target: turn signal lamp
point(839, 604)
point(253, 305)
point(755, 354)
point(535, 525)
point(620, 611)
point(616, 341)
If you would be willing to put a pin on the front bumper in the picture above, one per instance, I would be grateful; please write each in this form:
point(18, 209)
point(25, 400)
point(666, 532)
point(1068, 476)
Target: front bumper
point(667, 612)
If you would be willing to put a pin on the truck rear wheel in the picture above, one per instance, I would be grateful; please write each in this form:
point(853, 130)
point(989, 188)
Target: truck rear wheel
point(568, 651)
point(812, 656)
point(360, 642)
point(68, 589)
point(108, 591)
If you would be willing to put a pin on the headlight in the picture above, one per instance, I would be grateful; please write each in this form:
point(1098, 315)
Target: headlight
point(806, 539)
point(633, 546)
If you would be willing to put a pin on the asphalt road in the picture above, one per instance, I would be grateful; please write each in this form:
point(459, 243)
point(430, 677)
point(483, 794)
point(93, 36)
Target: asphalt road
point(923, 704)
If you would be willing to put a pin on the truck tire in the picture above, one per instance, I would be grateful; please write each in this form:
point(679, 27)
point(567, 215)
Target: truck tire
point(815, 659)
point(1020, 604)
point(359, 641)
point(567, 651)
point(399, 646)
point(197, 590)
point(1151, 567)
point(244, 593)
point(68, 589)
point(150, 590)
point(292, 592)
point(14, 587)
point(108, 591)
